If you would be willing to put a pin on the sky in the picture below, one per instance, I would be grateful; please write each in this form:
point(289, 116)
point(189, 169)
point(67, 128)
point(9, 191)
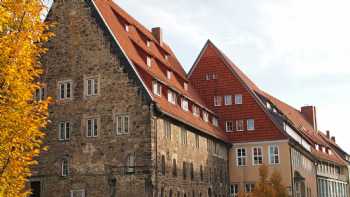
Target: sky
point(296, 50)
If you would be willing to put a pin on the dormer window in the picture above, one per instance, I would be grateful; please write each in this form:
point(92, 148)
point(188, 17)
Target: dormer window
point(205, 116)
point(317, 147)
point(127, 29)
point(215, 122)
point(196, 111)
point(268, 105)
point(186, 86)
point(168, 74)
point(166, 57)
point(184, 104)
point(148, 43)
point(330, 152)
point(157, 88)
point(171, 96)
point(323, 149)
point(149, 61)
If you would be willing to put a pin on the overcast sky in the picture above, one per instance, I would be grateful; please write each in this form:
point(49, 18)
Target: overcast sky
point(296, 50)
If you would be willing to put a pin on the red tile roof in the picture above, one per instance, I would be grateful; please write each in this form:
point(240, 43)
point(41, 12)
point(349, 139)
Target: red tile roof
point(134, 44)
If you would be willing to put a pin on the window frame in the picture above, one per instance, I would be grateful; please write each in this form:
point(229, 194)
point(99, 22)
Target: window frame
point(205, 116)
point(217, 101)
point(253, 124)
point(251, 187)
point(274, 155)
point(123, 118)
point(215, 121)
point(172, 97)
point(64, 167)
point(157, 88)
point(237, 125)
point(237, 96)
point(184, 136)
point(228, 100)
point(226, 126)
point(149, 61)
point(196, 111)
point(243, 158)
point(95, 123)
point(185, 104)
point(77, 190)
point(257, 156)
point(131, 163)
point(65, 138)
point(95, 86)
point(167, 129)
point(65, 89)
point(40, 93)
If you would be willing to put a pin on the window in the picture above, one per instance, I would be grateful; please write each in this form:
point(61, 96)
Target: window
point(174, 168)
point(64, 130)
point(184, 104)
point(65, 167)
point(192, 171)
point(65, 89)
point(215, 122)
point(91, 87)
point(228, 100)
point(122, 124)
point(149, 61)
point(171, 96)
point(77, 193)
point(274, 154)
point(217, 100)
point(229, 126)
point(162, 166)
point(257, 155)
point(205, 116)
point(168, 74)
point(196, 111)
point(127, 28)
point(238, 99)
point(184, 170)
point(201, 172)
point(249, 187)
point(131, 163)
point(241, 157)
point(210, 76)
point(166, 57)
point(234, 190)
point(148, 43)
point(91, 127)
point(157, 88)
point(197, 141)
point(186, 86)
point(250, 125)
point(239, 125)
point(167, 129)
point(183, 136)
point(40, 94)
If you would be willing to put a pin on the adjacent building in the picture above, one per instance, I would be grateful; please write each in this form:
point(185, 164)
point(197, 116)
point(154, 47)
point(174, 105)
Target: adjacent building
point(129, 121)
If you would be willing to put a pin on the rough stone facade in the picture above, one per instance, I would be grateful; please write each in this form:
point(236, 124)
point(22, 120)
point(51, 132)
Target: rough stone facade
point(82, 48)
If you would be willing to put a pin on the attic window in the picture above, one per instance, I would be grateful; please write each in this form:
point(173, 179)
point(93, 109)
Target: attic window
point(268, 105)
point(195, 111)
point(127, 28)
point(205, 116)
point(148, 43)
point(317, 147)
point(186, 86)
point(149, 61)
point(184, 104)
point(168, 74)
point(166, 57)
point(323, 149)
point(330, 152)
point(215, 122)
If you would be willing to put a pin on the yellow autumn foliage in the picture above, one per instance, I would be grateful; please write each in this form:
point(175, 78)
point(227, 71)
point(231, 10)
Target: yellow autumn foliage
point(21, 118)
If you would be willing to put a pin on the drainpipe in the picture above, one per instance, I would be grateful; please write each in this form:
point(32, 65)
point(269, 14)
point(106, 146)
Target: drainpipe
point(156, 149)
point(291, 170)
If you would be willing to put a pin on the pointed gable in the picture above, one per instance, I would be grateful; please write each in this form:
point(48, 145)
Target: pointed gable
point(230, 81)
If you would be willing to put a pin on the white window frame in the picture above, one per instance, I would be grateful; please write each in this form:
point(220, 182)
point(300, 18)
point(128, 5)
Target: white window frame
point(95, 123)
point(184, 136)
point(122, 124)
point(238, 99)
point(196, 110)
point(127, 29)
point(248, 125)
point(166, 57)
point(243, 158)
point(205, 116)
point(157, 88)
point(217, 101)
point(227, 126)
point(171, 97)
point(167, 129)
point(149, 61)
point(215, 122)
point(169, 73)
point(184, 104)
point(131, 163)
point(148, 43)
point(251, 187)
point(274, 155)
point(228, 100)
point(78, 190)
point(65, 89)
point(40, 93)
point(233, 191)
point(65, 167)
point(65, 133)
point(237, 125)
point(185, 86)
point(95, 86)
point(261, 155)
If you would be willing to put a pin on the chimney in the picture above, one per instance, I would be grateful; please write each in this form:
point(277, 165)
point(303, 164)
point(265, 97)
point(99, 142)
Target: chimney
point(158, 34)
point(328, 134)
point(333, 139)
point(309, 113)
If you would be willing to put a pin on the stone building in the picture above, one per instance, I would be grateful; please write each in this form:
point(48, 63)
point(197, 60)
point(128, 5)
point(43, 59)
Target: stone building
point(127, 120)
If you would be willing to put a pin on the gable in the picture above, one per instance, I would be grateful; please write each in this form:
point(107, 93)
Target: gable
point(228, 82)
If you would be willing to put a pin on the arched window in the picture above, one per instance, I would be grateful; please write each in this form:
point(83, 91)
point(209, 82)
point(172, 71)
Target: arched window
point(174, 168)
point(131, 163)
point(65, 167)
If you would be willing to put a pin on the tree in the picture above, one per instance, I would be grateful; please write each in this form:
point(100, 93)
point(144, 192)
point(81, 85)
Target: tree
point(272, 187)
point(22, 34)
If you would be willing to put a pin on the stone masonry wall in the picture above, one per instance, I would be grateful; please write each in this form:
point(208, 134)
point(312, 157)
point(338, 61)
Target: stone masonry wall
point(82, 49)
